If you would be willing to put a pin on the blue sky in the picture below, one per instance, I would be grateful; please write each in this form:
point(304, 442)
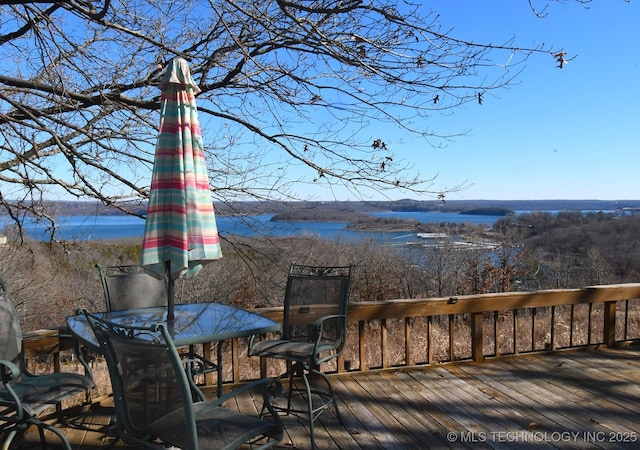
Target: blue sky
point(568, 133)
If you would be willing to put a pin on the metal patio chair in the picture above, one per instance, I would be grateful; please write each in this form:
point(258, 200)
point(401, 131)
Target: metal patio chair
point(131, 287)
point(313, 332)
point(24, 395)
point(153, 397)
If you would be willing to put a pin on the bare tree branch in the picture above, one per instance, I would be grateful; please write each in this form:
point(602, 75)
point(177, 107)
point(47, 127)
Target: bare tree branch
point(287, 90)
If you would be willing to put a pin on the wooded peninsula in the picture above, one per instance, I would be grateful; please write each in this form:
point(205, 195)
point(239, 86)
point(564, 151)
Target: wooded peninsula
point(339, 210)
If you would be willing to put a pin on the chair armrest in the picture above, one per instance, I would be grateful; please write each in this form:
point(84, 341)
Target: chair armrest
point(319, 334)
point(79, 351)
point(8, 370)
point(251, 341)
point(321, 320)
point(253, 338)
point(319, 324)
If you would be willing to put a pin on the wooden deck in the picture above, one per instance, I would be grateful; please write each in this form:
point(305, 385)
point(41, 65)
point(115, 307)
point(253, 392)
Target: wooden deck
point(571, 399)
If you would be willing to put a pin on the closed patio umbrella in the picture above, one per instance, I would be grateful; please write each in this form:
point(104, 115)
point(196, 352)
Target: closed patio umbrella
point(180, 232)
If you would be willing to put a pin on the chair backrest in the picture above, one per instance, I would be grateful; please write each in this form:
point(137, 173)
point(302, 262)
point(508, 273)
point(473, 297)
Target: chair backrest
point(10, 330)
point(147, 376)
point(313, 292)
point(129, 287)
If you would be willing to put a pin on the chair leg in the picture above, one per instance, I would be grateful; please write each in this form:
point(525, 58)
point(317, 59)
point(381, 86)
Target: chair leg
point(54, 430)
point(325, 394)
point(288, 374)
point(205, 366)
point(311, 412)
point(9, 439)
point(295, 370)
point(43, 442)
point(41, 428)
point(329, 396)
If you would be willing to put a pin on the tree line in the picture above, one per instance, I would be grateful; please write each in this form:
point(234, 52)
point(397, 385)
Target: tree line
point(570, 249)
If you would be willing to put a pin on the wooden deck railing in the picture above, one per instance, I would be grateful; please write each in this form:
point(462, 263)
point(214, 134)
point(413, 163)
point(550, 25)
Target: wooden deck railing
point(402, 333)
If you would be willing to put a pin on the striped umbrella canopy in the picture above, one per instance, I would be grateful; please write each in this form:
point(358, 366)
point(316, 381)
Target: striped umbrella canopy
point(180, 232)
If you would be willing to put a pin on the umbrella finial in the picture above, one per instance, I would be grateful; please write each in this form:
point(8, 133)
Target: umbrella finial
point(178, 72)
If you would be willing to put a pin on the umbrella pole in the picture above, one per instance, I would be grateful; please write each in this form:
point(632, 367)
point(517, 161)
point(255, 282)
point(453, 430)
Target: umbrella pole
point(170, 292)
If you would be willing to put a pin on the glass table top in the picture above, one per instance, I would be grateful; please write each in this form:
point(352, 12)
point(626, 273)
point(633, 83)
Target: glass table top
point(194, 323)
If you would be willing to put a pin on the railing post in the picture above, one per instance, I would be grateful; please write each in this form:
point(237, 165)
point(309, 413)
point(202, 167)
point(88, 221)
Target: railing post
point(408, 355)
point(383, 343)
point(496, 333)
point(476, 337)
point(430, 340)
point(610, 323)
point(206, 352)
point(452, 337)
point(235, 361)
point(362, 346)
point(263, 367)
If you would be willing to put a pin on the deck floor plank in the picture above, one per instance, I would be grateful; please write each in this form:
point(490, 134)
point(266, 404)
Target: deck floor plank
point(581, 411)
point(479, 407)
point(406, 401)
point(472, 411)
point(527, 401)
point(412, 424)
point(356, 416)
point(421, 384)
point(612, 411)
point(548, 413)
point(457, 406)
point(507, 402)
point(375, 421)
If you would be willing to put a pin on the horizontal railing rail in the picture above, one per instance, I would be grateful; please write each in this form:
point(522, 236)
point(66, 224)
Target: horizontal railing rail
point(413, 332)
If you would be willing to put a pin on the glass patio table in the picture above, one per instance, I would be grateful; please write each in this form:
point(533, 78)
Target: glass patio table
point(194, 323)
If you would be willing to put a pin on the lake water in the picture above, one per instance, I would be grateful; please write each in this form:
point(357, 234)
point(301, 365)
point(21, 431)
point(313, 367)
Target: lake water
point(113, 227)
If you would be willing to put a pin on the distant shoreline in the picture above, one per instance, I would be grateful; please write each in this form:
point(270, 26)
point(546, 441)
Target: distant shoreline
point(338, 208)
point(318, 223)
